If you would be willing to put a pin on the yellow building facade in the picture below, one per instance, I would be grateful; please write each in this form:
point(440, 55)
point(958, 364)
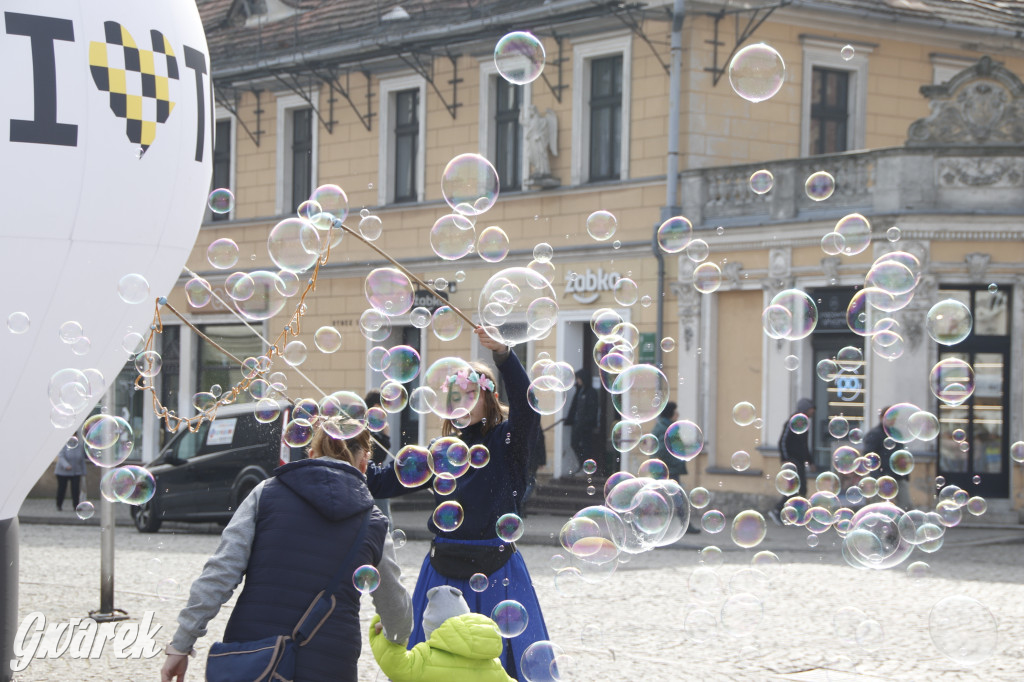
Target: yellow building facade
point(289, 106)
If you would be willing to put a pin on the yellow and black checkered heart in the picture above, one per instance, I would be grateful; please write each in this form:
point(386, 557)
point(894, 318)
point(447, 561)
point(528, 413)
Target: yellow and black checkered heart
point(138, 80)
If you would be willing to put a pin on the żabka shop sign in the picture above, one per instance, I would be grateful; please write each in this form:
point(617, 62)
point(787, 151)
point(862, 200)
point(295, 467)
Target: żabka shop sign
point(586, 287)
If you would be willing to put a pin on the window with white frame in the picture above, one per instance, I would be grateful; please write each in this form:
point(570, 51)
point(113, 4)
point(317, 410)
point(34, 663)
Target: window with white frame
point(402, 143)
point(501, 130)
point(223, 160)
point(297, 133)
point(601, 109)
point(834, 97)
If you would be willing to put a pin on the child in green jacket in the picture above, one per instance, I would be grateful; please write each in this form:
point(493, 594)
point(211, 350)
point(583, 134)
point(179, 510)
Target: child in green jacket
point(460, 646)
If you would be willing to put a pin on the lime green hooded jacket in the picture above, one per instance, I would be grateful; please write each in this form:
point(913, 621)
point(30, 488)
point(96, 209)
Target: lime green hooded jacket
point(462, 649)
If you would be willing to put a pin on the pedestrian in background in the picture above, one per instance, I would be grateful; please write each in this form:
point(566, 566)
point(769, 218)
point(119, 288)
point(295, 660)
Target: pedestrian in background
point(582, 418)
point(795, 448)
point(875, 441)
point(70, 469)
point(381, 453)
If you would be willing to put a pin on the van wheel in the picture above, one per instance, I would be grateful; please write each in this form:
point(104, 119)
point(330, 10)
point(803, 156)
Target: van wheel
point(244, 488)
point(147, 518)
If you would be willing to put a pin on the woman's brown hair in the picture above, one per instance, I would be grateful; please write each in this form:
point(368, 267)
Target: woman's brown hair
point(326, 445)
point(494, 411)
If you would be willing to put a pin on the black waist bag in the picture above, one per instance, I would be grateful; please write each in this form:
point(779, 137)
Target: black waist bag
point(460, 562)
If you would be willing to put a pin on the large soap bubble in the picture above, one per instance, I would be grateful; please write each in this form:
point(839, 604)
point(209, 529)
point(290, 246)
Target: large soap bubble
point(757, 72)
point(470, 184)
point(450, 379)
point(640, 393)
point(266, 299)
point(389, 290)
point(949, 322)
point(512, 296)
point(519, 57)
point(874, 539)
point(792, 314)
point(294, 245)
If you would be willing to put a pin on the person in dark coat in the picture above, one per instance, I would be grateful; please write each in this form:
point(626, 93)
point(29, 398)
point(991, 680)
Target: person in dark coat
point(582, 417)
point(70, 469)
point(278, 540)
point(485, 494)
point(874, 441)
point(795, 448)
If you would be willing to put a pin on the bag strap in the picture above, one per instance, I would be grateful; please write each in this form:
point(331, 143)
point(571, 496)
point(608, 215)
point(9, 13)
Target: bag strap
point(303, 634)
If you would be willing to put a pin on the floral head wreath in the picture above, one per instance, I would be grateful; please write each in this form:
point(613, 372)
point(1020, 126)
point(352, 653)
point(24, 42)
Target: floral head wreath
point(464, 377)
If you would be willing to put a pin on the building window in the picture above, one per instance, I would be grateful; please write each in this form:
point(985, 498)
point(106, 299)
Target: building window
point(407, 133)
point(830, 110)
point(508, 134)
point(601, 109)
point(222, 162)
point(401, 144)
point(297, 133)
point(214, 368)
point(605, 117)
point(835, 93)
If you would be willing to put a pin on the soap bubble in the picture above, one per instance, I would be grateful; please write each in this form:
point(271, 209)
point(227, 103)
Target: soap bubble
point(70, 332)
point(327, 339)
point(740, 460)
point(684, 440)
point(136, 485)
point(514, 293)
point(626, 291)
point(18, 323)
point(748, 529)
point(412, 466)
point(697, 250)
point(298, 432)
point(761, 181)
point(893, 234)
point(707, 278)
point(792, 314)
point(221, 201)
point(799, 423)
point(539, 662)
point(374, 325)
point(949, 322)
point(744, 413)
point(509, 527)
point(101, 431)
point(897, 422)
point(543, 252)
point(668, 344)
point(951, 381)
point(601, 225)
point(757, 72)
point(266, 299)
point(713, 521)
point(492, 244)
point(85, 510)
point(856, 232)
point(700, 497)
point(366, 579)
point(846, 52)
point(519, 57)
point(674, 234)
point(133, 289)
point(640, 393)
point(294, 245)
point(370, 227)
point(446, 323)
point(469, 184)
point(452, 236)
point(546, 395)
point(448, 378)
point(333, 201)
point(833, 243)
point(963, 629)
point(819, 186)
point(787, 482)
point(874, 539)
point(741, 614)
point(389, 291)
point(295, 353)
point(448, 515)
point(404, 364)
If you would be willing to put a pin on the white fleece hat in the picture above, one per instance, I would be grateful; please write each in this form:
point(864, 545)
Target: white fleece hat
point(443, 602)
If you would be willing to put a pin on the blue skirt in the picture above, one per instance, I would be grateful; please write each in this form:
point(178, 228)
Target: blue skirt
point(519, 587)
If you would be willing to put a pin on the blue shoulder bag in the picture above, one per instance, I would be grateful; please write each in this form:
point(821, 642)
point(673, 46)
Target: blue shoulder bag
point(273, 658)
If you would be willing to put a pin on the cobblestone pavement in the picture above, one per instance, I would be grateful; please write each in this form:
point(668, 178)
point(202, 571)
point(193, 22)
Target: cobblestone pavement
point(640, 624)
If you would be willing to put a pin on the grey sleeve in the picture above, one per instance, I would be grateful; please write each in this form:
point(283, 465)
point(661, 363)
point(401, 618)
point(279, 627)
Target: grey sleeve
point(221, 574)
point(391, 599)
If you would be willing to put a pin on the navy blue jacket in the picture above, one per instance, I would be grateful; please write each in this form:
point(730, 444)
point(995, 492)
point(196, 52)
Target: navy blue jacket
point(309, 515)
point(496, 489)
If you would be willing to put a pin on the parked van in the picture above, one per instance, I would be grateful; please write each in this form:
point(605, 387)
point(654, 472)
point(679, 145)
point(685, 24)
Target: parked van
point(203, 476)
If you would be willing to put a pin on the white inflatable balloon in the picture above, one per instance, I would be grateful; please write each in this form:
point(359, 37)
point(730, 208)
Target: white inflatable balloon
point(106, 141)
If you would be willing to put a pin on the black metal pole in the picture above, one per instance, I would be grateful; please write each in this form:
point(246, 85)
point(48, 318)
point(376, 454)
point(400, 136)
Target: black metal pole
point(8, 594)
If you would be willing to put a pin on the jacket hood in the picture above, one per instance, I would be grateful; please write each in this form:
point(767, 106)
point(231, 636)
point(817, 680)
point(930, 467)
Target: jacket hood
point(335, 489)
point(471, 635)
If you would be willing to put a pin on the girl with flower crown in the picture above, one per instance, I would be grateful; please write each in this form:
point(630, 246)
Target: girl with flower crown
point(485, 494)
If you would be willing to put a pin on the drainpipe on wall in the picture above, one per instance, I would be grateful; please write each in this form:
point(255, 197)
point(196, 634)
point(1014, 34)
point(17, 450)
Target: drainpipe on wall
point(671, 207)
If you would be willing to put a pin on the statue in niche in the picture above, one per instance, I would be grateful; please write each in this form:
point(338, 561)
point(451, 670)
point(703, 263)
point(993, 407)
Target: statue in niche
point(541, 138)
